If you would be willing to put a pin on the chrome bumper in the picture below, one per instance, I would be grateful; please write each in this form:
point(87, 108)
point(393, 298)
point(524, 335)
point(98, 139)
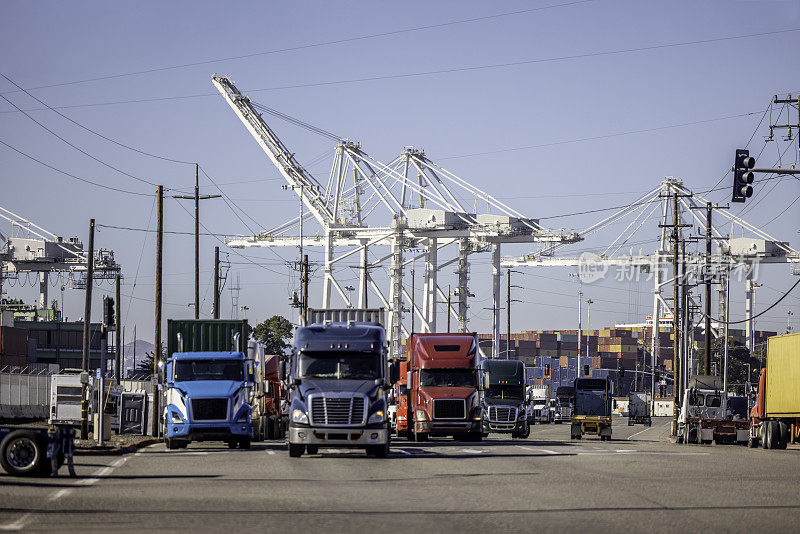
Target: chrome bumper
point(339, 437)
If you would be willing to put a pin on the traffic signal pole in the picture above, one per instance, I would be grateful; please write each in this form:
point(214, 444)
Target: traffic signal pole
point(87, 319)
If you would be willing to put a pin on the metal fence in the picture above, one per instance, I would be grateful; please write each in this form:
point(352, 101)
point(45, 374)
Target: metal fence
point(24, 395)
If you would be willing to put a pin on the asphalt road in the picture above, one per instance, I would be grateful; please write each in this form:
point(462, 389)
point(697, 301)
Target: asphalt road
point(545, 483)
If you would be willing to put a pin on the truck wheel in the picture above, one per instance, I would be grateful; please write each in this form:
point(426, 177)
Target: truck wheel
point(24, 453)
point(171, 443)
point(766, 440)
point(312, 449)
point(296, 450)
point(232, 444)
point(270, 430)
point(244, 443)
point(783, 432)
point(526, 431)
point(378, 451)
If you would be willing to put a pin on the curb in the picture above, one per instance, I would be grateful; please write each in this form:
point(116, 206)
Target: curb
point(132, 447)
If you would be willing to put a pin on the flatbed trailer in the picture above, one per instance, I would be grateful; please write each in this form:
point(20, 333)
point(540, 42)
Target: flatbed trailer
point(595, 425)
point(26, 451)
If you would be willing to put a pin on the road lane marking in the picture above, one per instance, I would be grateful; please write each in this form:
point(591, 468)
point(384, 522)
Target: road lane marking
point(546, 451)
point(270, 452)
point(401, 451)
point(19, 524)
point(472, 451)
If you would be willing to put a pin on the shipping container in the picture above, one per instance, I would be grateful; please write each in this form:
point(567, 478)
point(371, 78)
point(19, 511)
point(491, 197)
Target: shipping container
point(13, 341)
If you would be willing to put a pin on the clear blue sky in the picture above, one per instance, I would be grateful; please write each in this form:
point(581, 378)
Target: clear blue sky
point(462, 113)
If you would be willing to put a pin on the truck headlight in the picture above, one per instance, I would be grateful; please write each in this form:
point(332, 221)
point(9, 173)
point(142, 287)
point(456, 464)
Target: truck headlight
point(176, 418)
point(299, 416)
point(377, 417)
point(420, 415)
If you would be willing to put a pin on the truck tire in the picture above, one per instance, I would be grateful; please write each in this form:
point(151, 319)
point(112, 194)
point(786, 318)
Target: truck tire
point(171, 444)
point(378, 451)
point(270, 430)
point(768, 441)
point(312, 449)
point(244, 443)
point(783, 432)
point(526, 431)
point(296, 450)
point(24, 453)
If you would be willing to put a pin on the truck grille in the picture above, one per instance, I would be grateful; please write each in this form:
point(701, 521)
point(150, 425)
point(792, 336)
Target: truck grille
point(502, 414)
point(209, 409)
point(449, 409)
point(337, 410)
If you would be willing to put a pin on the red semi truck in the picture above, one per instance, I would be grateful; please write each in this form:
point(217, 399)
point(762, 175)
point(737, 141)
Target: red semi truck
point(442, 387)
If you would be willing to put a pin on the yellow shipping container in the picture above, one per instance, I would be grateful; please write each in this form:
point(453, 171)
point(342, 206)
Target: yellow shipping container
point(783, 376)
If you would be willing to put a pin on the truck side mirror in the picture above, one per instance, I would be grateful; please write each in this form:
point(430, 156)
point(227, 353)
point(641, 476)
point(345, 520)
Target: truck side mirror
point(282, 370)
point(394, 372)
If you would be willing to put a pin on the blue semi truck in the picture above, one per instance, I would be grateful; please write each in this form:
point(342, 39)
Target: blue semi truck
point(207, 384)
point(338, 379)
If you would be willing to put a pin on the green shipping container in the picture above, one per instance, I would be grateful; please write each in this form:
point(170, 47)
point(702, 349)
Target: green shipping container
point(206, 335)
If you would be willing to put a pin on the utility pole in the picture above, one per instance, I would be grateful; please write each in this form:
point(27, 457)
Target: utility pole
point(159, 272)
point(509, 300)
point(448, 308)
point(304, 271)
point(215, 313)
point(87, 321)
point(197, 198)
point(707, 363)
point(589, 303)
point(118, 325)
point(508, 317)
point(134, 347)
point(413, 295)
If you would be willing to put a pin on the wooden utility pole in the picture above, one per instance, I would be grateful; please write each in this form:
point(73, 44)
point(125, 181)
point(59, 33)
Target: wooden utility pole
point(117, 328)
point(197, 198)
point(87, 321)
point(159, 272)
point(215, 313)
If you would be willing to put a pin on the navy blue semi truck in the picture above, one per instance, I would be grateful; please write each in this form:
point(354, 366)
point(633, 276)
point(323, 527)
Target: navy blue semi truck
point(338, 379)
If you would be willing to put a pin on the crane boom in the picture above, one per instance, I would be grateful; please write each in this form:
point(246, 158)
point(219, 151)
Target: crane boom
point(296, 176)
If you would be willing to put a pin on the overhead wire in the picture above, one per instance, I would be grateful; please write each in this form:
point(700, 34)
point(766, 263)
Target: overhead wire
point(97, 184)
point(315, 45)
point(458, 69)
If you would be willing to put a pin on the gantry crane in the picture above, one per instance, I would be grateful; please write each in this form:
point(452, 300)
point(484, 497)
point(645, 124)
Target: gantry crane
point(426, 211)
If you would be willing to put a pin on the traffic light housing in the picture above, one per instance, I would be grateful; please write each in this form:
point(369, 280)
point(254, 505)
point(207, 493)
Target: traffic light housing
point(585, 370)
point(108, 311)
point(547, 370)
point(743, 176)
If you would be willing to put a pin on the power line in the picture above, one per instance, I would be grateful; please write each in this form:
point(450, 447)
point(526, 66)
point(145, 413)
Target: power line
point(759, 314)
point(74, 176)
point(98, 134)
point(598, 137)
point(313, 45)
point(79, 149)
point(456, 69)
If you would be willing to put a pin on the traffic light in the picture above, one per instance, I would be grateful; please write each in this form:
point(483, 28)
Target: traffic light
point(622, 373)
point(743, 176)
point(585, 370)
point(108, 311)
point(547, 370)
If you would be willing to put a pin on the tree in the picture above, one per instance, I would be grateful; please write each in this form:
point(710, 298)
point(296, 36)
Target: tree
point(274, 333)
point(146, 364)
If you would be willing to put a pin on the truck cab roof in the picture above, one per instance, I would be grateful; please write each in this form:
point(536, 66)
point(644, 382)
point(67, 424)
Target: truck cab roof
point(443, 350)
point(352, 336)
point(218, 355)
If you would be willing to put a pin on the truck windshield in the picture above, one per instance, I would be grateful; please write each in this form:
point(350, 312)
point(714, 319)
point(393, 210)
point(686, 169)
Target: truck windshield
point(564, 401)
point(339, 365)
point(697, 399)
point(713, 401)
point(504, 392)
point(464, 378)
point(187, 370)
